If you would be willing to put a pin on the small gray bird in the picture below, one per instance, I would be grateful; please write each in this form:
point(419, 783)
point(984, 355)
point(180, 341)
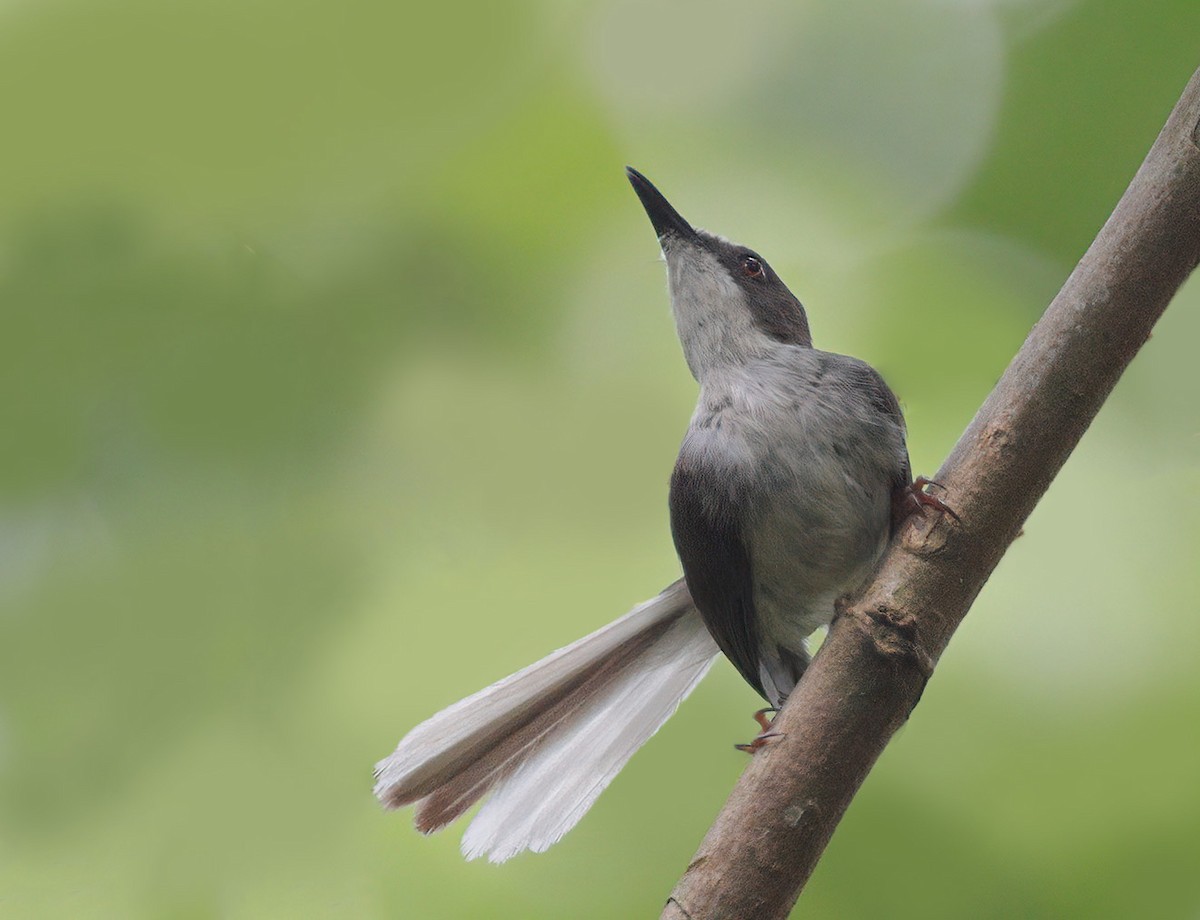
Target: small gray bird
point(791, 479)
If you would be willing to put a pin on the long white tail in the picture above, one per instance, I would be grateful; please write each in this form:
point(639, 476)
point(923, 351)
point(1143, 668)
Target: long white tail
point(547, 740)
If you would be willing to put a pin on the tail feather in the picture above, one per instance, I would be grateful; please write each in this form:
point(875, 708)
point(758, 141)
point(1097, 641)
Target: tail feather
point(554, 787)
point(463, 788)
point(451, 801)
point(548, 739)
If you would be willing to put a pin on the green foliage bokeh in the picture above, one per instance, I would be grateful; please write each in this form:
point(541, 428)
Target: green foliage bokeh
point(340, 382)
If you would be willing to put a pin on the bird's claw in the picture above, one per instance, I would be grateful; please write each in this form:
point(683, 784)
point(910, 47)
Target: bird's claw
point(922, 499)
point(764, 736)
point(760, 740)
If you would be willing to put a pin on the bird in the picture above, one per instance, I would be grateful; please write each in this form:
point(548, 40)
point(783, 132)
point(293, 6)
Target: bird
point(792, 477)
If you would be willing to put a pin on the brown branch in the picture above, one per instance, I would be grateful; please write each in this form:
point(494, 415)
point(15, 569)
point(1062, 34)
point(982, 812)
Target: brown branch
point(871, 670)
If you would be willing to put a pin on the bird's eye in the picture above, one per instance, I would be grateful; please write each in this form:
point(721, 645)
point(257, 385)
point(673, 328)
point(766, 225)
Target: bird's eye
point(752, 267)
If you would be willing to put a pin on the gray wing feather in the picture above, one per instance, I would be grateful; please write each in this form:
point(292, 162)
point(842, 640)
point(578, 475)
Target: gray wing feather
point(865, 380)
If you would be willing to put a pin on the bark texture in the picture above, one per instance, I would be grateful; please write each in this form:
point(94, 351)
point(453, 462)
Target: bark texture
point(880, 651)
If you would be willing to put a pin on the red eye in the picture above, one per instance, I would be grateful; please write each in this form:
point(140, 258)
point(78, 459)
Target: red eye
point(752, 267)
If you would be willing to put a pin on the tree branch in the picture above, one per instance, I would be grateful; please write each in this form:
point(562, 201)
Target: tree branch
point(880, 651)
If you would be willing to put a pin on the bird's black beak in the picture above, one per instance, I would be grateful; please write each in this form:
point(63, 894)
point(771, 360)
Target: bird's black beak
point(666, 220)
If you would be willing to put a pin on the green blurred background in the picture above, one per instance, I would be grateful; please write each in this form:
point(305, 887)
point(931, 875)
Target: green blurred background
point(340, 381)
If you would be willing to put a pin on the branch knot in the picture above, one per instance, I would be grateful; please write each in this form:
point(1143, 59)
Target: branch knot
point(894, 635)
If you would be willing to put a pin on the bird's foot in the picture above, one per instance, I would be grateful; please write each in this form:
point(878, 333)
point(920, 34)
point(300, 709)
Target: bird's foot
point(914, 499)
point(762, 739)
point(761, 717)
point(764, 736)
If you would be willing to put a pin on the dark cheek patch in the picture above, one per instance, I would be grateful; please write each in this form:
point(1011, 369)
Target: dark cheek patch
point(774, 308)
point(780, 317)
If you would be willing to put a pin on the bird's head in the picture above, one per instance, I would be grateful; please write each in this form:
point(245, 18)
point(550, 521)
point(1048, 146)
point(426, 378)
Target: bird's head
point(728, 303)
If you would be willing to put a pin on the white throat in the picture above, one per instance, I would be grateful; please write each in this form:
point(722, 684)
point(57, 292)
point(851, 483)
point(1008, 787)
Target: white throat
point(711, 316)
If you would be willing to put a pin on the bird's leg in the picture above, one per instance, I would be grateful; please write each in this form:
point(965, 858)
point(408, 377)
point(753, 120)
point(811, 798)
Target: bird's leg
point(761, 717)
point(763, 736)
point(913, 498)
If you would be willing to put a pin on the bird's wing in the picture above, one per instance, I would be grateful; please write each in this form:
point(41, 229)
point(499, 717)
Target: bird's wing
point(716, 562)
point(866, 381)
point(879, 396)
